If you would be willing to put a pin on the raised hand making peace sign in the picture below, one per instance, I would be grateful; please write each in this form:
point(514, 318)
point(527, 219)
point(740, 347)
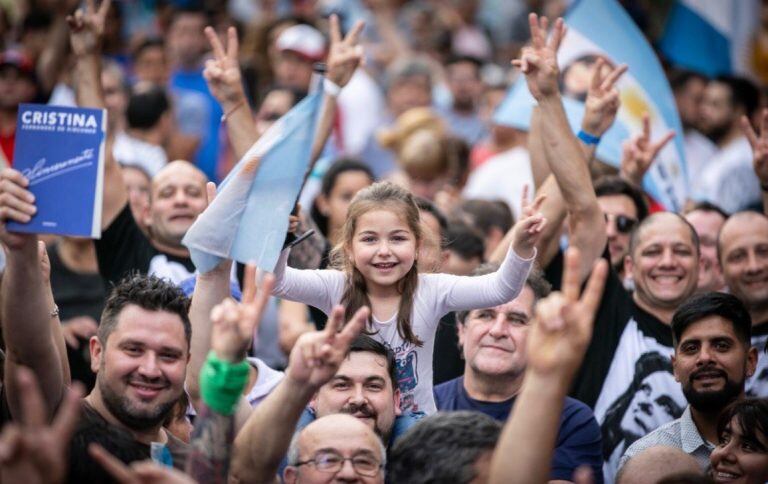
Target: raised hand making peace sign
point(564, 320)
point(639, 153)
point(316, 356)
point(759, 146)
point(234, 324)
point(32, 450)
point(602, 101)
point(222, 73)
point(344, 54)
point(538, 61)
point(528, 229)
point(87, 27)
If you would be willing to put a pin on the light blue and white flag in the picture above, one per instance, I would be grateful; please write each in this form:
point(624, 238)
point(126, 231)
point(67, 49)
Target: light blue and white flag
point(248, 219)
point(697, 35)
point(711, 36)
point(601, 28)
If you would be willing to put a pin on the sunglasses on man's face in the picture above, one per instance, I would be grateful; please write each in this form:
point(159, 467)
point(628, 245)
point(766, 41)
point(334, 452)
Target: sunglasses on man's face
point(624, 224)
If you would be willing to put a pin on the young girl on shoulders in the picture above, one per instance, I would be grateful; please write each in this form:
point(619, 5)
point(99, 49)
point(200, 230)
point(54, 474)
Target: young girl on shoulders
point(376, 260)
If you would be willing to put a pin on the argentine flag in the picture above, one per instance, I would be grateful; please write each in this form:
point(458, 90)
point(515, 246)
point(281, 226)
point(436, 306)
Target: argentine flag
point(601, 28)
point(248, 219)
point(709, 36)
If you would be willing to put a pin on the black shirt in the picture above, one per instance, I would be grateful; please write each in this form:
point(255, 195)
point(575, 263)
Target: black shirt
point(93, 428)
point(447, 362)
point(77, 294)
point(123, 249)
point(626, 376)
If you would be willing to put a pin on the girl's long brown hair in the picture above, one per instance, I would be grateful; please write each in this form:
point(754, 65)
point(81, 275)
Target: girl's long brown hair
point(379, 196)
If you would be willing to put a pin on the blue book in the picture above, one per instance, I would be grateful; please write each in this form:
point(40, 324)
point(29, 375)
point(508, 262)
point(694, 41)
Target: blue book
point(61, 152)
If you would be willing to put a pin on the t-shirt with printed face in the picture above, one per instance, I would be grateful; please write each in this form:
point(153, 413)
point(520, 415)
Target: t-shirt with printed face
point(757, 384)
point(626, 376)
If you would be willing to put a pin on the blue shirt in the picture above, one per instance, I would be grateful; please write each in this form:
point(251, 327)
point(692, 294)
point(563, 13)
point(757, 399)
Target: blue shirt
point(199, 114)
point(578, 440)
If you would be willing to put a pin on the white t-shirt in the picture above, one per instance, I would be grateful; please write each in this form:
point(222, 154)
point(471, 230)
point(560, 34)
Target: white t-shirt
point(729, 180)
point(503, 177)
point(436, 295)
point(129, 151)
point(266, 381)
point(699, 150)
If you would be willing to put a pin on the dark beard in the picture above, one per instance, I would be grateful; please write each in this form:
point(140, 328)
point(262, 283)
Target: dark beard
point(368, 412)
point(464, 106)
point(120, 407)
point(714, 401)
point(718, 133)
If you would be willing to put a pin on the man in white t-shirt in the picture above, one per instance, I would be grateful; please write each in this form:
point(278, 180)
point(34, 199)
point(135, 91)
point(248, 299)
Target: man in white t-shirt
point(727, 178)
point(502, 177)
point(149, 121)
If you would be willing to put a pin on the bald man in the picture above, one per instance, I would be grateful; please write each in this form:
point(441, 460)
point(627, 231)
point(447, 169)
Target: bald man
point(177, 197)
point(627, 375)
point(743, 253)
point(337, 446)
point(654, 464)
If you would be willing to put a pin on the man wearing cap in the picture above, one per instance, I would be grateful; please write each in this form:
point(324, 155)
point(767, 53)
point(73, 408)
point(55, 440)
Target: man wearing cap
point(17, 85)
point(299, 48)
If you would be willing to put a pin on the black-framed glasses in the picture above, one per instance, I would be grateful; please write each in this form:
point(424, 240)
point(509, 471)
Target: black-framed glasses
point(364, 465)
point(624, 224)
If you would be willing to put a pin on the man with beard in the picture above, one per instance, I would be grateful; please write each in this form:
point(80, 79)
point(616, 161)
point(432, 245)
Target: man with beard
point(493, 342)
point(466, 86)
point(140, 356)
point(330, 373)
point(743, 253)
point(712, 360)
point(727, 178)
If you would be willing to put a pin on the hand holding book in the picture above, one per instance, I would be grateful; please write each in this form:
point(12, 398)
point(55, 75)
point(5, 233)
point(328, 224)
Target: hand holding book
point(16, 204)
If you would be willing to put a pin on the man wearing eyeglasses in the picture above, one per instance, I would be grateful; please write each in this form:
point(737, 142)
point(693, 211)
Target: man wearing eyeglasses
point(338, 374)
point(624, 207)
point(338, 448)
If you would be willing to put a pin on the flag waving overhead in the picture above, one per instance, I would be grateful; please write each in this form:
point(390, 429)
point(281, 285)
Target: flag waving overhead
point(601, 28)
point(713, 37)
point(248, 219)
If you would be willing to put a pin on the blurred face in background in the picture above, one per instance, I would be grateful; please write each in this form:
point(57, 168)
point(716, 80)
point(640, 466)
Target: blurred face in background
point(115, 95)
point(275, 104)
point(689, 99)
point(186, 40)
point(465, 85)
point(15, 88)
point(293, 70)
point(707, 224)
point(717, 111)
point(151, 65)
point(407, 93)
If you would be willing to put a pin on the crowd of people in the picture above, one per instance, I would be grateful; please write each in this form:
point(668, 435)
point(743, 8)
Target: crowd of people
point(456, 300)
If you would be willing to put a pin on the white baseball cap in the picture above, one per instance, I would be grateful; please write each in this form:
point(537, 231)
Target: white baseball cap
point(304, 40)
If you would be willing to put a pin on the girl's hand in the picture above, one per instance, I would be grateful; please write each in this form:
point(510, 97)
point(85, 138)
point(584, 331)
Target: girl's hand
point(528, 229)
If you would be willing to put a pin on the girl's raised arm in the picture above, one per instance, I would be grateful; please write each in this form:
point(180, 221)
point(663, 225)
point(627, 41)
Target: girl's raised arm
point(319, 288)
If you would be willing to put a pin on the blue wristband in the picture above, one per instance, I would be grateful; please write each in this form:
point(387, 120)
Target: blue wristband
point(587, 138)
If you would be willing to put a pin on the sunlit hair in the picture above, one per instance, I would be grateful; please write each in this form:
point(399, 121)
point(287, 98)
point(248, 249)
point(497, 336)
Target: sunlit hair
point(379, 196)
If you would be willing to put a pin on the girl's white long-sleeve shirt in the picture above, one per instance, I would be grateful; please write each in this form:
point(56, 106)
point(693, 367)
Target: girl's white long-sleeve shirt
point(436, 295)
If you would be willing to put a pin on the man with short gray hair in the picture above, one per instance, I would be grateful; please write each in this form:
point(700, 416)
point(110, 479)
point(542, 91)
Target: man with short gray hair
point(493, 342)
point(338, 445)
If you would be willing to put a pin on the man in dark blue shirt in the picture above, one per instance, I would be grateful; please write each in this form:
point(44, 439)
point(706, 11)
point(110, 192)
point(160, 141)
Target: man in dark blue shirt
point(494, 350)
